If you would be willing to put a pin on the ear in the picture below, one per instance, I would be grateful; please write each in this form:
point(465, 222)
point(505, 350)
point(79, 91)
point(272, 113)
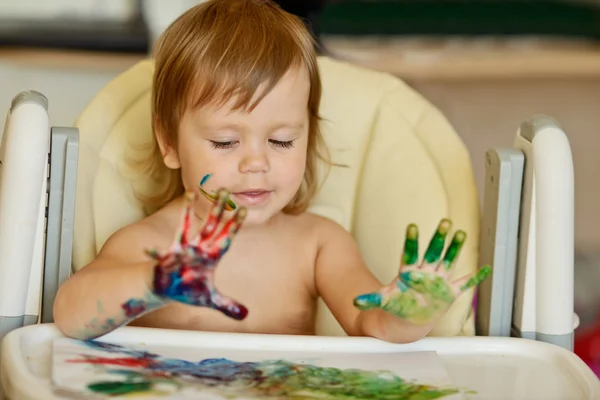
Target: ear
point(168, 152)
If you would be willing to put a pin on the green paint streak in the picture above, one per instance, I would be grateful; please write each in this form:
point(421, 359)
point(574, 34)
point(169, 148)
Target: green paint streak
point(99, 307)
point(479, 277)
point(436, 245)
point(213, 197)
point(229, 204)
point(135, 383)
point(454, 249)
point(411, 245)
point(296, 381)
point(120, 388)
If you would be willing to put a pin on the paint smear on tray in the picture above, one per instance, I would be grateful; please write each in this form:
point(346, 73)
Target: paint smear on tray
point(95, 369)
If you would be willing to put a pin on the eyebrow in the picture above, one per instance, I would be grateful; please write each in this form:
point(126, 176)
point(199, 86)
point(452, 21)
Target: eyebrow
point(280, 125)
point(291, 125)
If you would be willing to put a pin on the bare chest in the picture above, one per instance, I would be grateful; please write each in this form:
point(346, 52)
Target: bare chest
point(275, 283)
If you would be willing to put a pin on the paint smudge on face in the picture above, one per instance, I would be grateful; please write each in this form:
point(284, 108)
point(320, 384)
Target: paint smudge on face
point(204, 179)
point(421, 293)
point(185, 272)
point(212, 197)
point(144, 373)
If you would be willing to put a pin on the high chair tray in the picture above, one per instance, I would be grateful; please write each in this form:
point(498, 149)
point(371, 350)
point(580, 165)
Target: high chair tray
point(491, 368)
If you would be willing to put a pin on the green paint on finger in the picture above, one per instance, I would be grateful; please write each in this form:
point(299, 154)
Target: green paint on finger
point(411, 245)
point(454, 249)
point(436, 245)
point(479, 277)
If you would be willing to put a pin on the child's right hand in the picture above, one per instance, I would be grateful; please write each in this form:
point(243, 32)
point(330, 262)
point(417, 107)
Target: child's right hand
point(185, 272)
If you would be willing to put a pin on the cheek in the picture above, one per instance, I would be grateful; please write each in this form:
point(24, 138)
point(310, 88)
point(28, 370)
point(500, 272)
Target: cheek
point(292, 166)
point(197, 163)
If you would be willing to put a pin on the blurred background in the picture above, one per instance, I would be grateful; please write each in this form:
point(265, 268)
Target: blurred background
point(488, 65)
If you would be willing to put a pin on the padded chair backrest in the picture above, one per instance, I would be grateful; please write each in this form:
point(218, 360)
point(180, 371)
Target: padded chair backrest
point(404, 163)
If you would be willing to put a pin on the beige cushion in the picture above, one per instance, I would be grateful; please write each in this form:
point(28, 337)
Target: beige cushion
point(404, 163)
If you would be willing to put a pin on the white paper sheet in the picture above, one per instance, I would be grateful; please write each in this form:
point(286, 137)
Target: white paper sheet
point(83, 371)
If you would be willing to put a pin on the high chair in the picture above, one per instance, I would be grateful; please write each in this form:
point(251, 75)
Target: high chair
point(402, 163)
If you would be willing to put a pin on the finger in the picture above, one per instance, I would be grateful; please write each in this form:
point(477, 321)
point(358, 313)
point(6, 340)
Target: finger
point(183, 230)
point(212, 197)
point(166, 260)
point(411, 245)
point(215, 215)
point(154, 254)
point(436, 245)
point(368, 301)
point(453, 250)
point(230, 229)
point(229, 307)
point(470, 281)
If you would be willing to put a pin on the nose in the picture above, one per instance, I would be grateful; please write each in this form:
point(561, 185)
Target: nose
point(255, 162)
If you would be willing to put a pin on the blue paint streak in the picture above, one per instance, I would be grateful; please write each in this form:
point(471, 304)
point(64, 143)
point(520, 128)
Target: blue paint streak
point(401, 285)
point(203, 181)
point(368, 300)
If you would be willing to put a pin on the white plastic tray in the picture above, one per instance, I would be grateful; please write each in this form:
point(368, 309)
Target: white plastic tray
point(496, 368)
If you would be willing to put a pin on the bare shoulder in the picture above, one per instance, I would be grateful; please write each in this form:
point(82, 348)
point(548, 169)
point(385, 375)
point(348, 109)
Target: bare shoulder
point(129, 243)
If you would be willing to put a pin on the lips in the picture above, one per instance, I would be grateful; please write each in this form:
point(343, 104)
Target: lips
point(252, 197)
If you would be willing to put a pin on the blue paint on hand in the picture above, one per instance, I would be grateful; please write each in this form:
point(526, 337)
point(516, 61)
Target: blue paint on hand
point(368, 301)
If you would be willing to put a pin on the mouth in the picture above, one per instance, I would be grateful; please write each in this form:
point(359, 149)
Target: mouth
point(252, 197)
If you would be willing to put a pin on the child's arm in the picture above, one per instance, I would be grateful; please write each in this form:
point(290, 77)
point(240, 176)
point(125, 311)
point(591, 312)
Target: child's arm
point(109, 292)
point(406, 309)
point(120, 285)
point(341, 275)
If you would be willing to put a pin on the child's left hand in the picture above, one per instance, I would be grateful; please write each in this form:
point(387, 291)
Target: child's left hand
point(422, 293)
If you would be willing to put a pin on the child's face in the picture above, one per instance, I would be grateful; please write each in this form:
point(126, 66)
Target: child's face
point(259, 156)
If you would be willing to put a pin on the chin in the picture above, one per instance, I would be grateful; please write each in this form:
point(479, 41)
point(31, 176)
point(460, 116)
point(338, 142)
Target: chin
point(261, 209)
point(257, 217)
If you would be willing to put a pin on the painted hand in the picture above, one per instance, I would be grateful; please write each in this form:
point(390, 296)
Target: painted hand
point(185, 272)
point(421, 293)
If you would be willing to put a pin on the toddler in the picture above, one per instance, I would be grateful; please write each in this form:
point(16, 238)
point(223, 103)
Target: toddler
point(235, 113)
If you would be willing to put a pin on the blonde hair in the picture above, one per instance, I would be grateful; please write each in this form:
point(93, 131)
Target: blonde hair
point(221, 50)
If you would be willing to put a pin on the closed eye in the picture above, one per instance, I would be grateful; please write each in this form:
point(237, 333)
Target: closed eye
point(222, 145)
point(283, 144)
